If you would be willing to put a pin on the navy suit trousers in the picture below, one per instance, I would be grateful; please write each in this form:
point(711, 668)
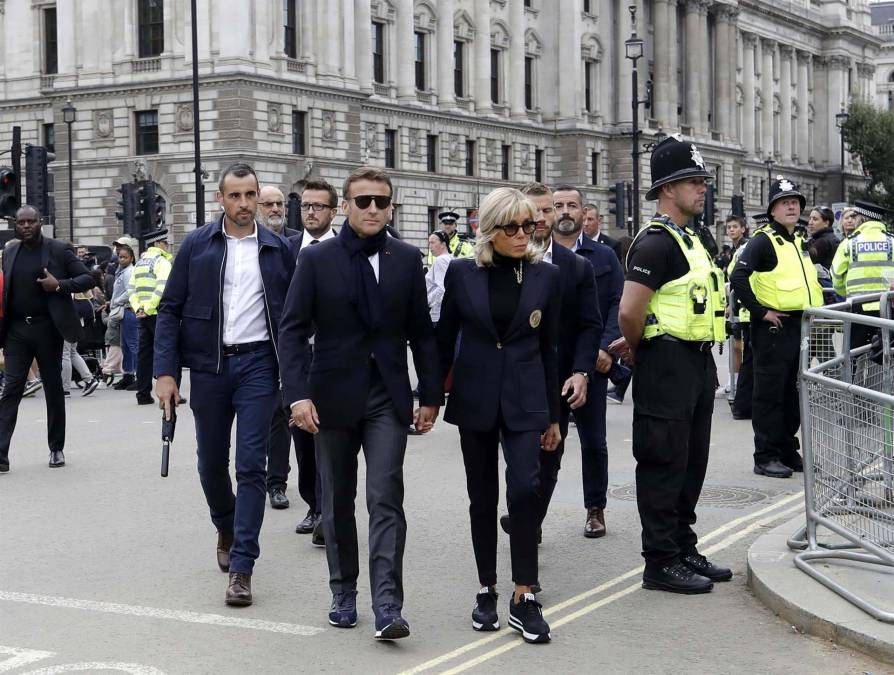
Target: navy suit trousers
point(245, 389)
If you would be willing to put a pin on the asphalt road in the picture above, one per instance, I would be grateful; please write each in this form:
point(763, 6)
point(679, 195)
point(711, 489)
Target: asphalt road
point(106, 567)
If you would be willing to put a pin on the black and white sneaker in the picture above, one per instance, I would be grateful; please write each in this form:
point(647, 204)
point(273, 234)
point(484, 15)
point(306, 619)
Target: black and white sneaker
point(527, 618)
point(90, 387)
point(484, 614)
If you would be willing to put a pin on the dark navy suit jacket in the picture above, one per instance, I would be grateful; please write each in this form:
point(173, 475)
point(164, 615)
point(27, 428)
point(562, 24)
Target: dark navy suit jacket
point(336, 376)
point(516, 376)
point(580, 329)
point(609, 285)
point(189, 328)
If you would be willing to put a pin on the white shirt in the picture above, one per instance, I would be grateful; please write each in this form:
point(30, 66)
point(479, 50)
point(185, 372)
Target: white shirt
point(434, 284)
point(307, 237)
point(548, 254)
point(244, 315)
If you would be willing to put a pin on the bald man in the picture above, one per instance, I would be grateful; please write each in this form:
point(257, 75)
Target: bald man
point(272, 211)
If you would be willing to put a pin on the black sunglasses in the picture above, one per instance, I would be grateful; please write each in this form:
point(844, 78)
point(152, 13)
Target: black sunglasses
point(512, 228)
point(364, 201)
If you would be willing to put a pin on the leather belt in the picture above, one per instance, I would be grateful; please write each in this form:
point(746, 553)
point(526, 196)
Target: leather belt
point(692, 344)
point(244, 348)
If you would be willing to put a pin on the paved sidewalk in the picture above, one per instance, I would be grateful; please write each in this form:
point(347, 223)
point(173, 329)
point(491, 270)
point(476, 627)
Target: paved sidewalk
point(812, 608)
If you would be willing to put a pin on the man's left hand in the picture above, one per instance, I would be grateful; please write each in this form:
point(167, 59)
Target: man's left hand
point(48, 282)
point(575, 388)
point(424, 418)
point(603, 362)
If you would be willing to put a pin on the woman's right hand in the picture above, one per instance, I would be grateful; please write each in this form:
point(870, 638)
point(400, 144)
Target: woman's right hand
point(550, 439)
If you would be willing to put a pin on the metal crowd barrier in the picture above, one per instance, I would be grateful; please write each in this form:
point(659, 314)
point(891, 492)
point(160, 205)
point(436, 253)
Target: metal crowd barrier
point(847, 427)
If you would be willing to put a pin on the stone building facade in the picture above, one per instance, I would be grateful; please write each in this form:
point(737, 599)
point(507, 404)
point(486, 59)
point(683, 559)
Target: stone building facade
point(456, 96)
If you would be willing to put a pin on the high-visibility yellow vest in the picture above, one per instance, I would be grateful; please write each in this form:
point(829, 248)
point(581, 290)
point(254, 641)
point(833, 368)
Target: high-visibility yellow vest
point(459, 248)
point(863, 262)
point(147, 283)
point(793, 284)
point(691, 307)
point(744, 314)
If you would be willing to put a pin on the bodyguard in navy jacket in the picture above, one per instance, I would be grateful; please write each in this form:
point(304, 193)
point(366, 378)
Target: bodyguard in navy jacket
point(504, 305)
point(219, 316)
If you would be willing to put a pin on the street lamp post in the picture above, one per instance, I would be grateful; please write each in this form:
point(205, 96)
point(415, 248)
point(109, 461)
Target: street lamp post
point(197, 148)
point(840, 121)
point(70, 116)
point(769, 164)
point(633, 50)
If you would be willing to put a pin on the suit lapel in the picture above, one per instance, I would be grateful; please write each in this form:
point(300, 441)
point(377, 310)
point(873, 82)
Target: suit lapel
point(479, 296)
point(528, 300)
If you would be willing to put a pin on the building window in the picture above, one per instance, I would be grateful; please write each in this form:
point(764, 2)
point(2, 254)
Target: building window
point(589, 101)
point(378, 47)
point(390, 148)
point(527, 3)
point(594, 168)
point(49, 137)
point(431, 153)
point(299, 132)
point(505, 160)
point(420, 61)
point(529, 82)
point(290, 28)
point(538, 165)
point(147, 132)
point(470, 158)
point(50, 44)
point(150, 27)
point(458, 67)
point(495, 76)
point(586, 6)
point(433, 222)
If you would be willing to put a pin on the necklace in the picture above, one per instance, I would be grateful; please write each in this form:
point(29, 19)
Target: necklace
point(519, 274)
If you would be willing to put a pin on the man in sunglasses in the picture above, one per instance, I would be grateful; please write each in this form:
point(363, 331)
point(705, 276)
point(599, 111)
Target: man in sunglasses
point(272, 210)
point(362, 295)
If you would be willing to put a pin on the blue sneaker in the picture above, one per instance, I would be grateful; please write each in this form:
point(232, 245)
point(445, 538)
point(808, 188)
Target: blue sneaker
point(390, 625)
point(343, 613)
point(527, 618)
point(484, 614)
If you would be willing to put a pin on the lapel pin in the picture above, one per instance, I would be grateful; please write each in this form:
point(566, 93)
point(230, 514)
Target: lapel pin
point(534, 319)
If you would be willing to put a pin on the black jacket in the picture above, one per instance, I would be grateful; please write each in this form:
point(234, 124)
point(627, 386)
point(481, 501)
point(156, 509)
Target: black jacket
point(580, 323)
point(74, 277)
point(822, 247)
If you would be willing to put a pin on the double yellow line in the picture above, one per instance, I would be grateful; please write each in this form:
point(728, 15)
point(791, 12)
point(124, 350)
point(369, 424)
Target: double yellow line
point(738, 529)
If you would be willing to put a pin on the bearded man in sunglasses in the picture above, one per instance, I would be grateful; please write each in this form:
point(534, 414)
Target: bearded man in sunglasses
point(362, 295)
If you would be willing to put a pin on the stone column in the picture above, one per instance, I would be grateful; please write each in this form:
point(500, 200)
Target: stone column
point(767, 48)
point(482, 56)
point(235, 32)
point(516, 69)
point(725, 50)
point(785, 100)
point(446, 98)
point(66, 20)
point(404, 44)
point(801, 147)
point(569, 60)
point(749, 44)
point(707, 105)
point(695, 58)
point(732, 72)
point(665, 41)
point(836, 100)
point(363, 44)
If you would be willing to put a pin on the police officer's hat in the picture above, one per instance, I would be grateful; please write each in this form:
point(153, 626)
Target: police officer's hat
point(782, 188)
point(448, 217)
point(158, 235)
point(674, 159)
point(760, 219)
point(872, 211)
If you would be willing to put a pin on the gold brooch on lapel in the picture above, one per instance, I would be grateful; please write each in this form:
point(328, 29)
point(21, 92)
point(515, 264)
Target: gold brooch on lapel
point(534, 319)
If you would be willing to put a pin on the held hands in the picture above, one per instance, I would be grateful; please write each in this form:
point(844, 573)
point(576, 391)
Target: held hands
point(168, 394)
point(424, 418)
point(775, 318)
point(304, 416)
point(576, 386)
point(550, 439)
point(603, 362)
point(620, 348)
point(48, 282)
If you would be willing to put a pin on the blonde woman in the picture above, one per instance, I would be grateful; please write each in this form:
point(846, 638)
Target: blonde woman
point(504, 304)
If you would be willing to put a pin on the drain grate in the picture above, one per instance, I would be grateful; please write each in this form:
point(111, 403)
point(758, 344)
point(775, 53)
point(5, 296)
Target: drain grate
point(720, 496)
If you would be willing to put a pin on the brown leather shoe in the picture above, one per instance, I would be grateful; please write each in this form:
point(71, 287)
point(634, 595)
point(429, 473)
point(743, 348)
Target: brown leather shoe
point(595, 526)
point(224, 543)
point(239, 590)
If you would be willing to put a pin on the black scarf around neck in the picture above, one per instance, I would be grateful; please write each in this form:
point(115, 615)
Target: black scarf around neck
point(365, 294)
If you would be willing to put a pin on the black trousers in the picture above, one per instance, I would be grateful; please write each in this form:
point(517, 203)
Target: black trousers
point(745, 380)
point(776, 414)
point(144, 356)
point(521, 450)
point(25, 342)
point(673, 401)
point(281, 440)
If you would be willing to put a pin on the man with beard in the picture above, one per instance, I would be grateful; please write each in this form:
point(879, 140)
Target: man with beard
point(672, 312)
point(39, 276)
point(271, 214)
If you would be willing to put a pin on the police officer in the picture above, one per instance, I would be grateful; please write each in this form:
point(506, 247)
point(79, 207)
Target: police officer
point(671, 313)
point(458, 245)
point(863, 264)
point(147, 284)
point(775, 279)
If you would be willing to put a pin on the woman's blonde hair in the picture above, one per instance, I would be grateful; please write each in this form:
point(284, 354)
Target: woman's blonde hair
point(501, 207)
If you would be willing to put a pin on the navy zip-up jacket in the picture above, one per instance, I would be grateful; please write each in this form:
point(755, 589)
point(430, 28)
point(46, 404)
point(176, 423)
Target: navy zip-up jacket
point(189, 328)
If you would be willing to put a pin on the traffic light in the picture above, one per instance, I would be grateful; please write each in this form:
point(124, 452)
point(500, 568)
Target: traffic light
point(738, 206)
point(128, 207)
point(618, 202)
point(8, 202)
point(151, 216)
point(710, 211)
point(37, 180)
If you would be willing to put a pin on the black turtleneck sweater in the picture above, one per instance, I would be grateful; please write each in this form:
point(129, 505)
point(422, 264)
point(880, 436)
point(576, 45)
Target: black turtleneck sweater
point(26, 297)
point(504, 291)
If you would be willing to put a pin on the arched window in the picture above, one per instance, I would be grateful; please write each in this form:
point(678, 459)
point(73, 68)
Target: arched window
point(591, 52)
point(533, 49)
